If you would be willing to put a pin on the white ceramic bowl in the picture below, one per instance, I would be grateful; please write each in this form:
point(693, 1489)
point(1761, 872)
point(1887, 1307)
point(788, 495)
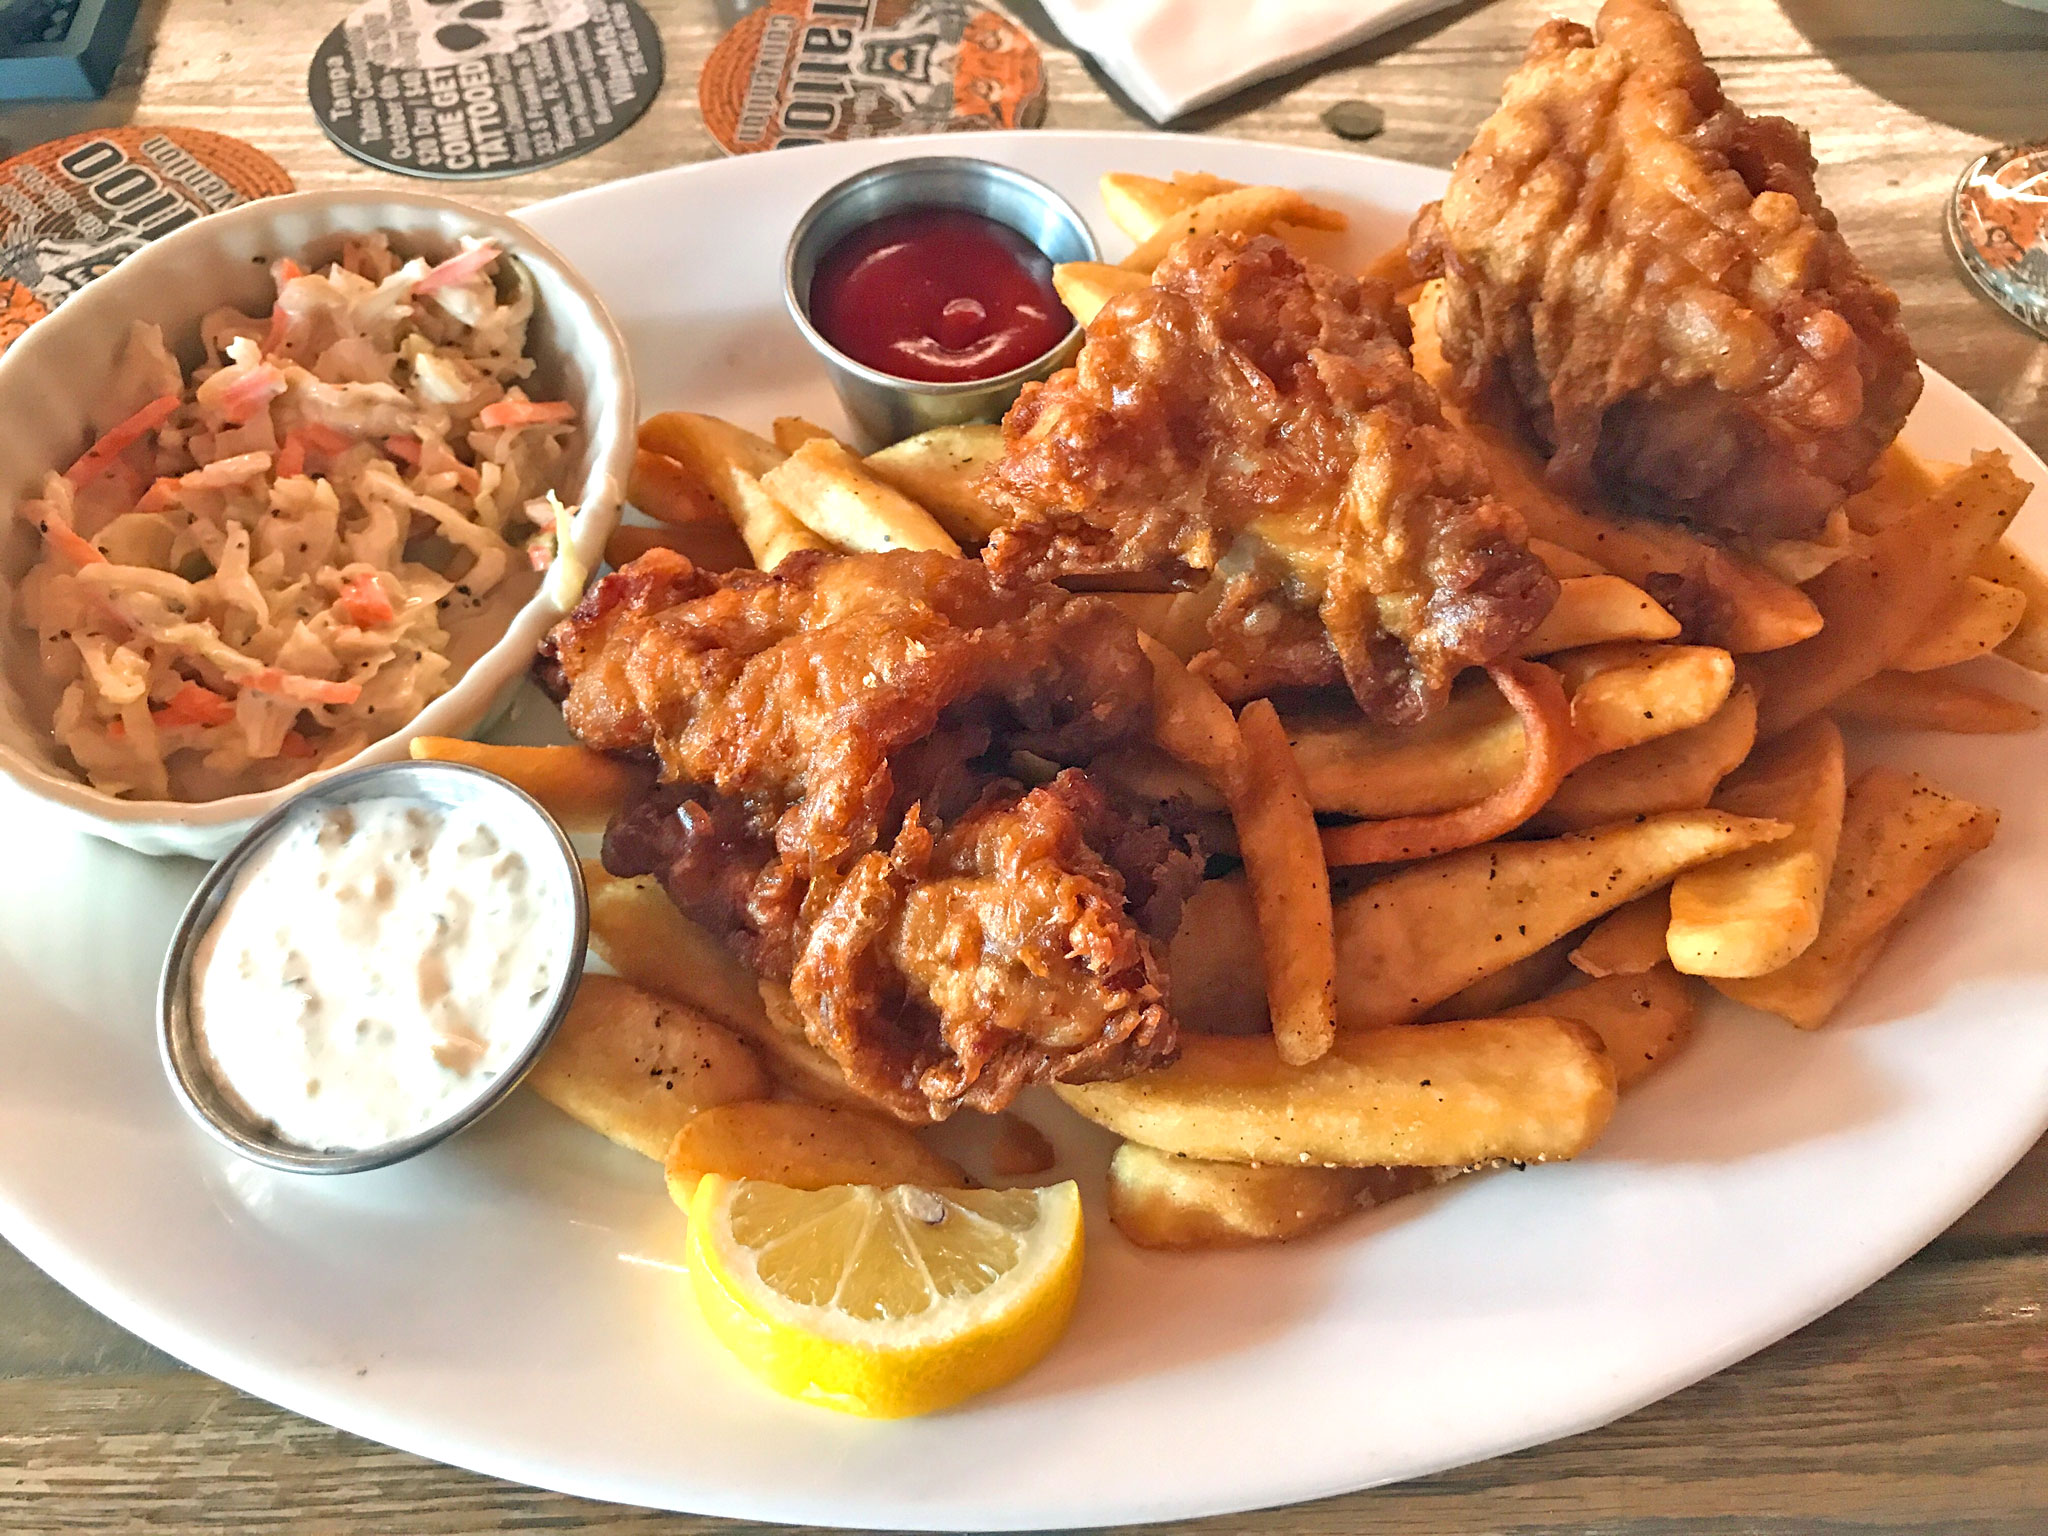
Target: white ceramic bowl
point(48, 379)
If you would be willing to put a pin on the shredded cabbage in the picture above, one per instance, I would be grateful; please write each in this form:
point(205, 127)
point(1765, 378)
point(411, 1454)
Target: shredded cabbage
point(253, 573)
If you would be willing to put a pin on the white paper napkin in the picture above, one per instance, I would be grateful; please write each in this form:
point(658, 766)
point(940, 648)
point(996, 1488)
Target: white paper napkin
point(1174, 55)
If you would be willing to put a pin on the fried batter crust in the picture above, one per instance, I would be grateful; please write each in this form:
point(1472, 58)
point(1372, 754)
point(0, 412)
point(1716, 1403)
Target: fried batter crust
point(1259, 417)
point(1640, 276)
point(947, 935)
point(1009, 931)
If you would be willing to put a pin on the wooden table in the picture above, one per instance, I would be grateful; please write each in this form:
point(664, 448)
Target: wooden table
point(1920, 1406)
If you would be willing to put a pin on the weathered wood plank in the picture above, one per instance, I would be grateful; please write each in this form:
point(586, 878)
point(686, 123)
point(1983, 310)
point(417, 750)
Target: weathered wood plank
point(1920, 1406)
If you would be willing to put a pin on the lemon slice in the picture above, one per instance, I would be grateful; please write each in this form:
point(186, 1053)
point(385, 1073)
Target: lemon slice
point(884, 1302)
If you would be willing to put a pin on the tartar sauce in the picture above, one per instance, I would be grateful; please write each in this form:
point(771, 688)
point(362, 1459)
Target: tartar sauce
point(373, 969)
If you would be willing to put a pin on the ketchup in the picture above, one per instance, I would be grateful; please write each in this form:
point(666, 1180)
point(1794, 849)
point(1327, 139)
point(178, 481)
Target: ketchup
point(939, 295)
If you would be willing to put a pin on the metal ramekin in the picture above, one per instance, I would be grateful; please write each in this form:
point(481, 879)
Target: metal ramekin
point(528, 828)
point(885, 408)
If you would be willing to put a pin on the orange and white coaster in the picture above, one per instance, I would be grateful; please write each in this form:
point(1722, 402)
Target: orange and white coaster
point(810, 71)
point(1998, 229)
point(75, 207)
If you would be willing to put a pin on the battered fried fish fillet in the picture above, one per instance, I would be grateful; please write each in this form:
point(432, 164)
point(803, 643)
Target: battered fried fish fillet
point(824, 732)
point(1641, 277)
point(1259, 417)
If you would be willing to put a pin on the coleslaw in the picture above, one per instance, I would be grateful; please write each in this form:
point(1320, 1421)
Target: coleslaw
point(253, 573)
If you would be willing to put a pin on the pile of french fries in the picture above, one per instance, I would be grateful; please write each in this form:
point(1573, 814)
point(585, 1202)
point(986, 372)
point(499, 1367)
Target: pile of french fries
point(1450, 944)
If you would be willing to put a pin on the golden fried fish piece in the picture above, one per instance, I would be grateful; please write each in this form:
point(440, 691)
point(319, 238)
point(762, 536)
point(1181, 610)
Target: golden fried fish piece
point(1640, 276)
point(833, 738)
point(1259, 417)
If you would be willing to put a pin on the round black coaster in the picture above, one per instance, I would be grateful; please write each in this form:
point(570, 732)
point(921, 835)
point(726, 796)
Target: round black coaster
point(467, 90)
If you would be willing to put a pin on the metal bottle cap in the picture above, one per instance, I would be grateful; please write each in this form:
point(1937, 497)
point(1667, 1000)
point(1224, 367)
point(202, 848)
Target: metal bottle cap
point(1998, 229)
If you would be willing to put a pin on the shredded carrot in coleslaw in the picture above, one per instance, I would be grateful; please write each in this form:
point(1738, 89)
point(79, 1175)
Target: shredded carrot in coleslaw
point(194, 705)
point(253, 572)
point(68, 544)
point(118, 439)
point(524, 413)
point(161, 493)
point(365, 602)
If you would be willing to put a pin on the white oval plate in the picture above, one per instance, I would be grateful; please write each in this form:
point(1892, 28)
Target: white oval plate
point(512, 1303)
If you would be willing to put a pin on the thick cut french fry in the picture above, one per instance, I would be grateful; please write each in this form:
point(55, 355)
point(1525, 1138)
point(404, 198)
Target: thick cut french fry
point(1464, 752)
point(729, 461)
point(1628, 941)
point(1628, 693)
point(771, 531)
point(1899, 835)
point(1800, 560)
point(1720, 598)
point(1192, 724)
point(1470, 750)
point(1243, 211)
point(792, 432)
point(1290, 886)
point(699, 443)
point(1216, 977)
point(1642, 1019)
point(641, 935)
point(1138, 205)
point(1185, 630)
point(1200, 184)
point(1407, 942)
point(826, 488)
point(715, 546)
point(1593, 610)
point(1757, 910)
point(2028, 643)
point(1529, 977)
point(1160, 1200)
point(1877, 602)
point(1551, 749)
point(578, 787)
point(1934, 701)
point(634, 1066)
point(1565, 563)
point(800, 1146)
point(669, 492)
point(941, 471)
point(1421, 1095)
point(1976, 616)
point(1673, 773)
point(1085, 287)
point(1902, 481)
